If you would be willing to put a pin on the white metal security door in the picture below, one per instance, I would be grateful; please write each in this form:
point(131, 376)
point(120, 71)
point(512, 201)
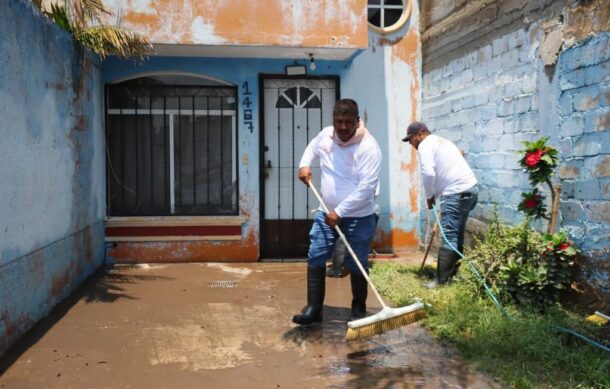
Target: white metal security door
point(295, 110)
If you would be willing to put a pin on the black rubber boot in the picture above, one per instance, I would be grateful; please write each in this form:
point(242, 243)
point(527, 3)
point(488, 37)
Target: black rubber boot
point(360, 291)
point(336, 268)
point(312, 313)
point(447, 264)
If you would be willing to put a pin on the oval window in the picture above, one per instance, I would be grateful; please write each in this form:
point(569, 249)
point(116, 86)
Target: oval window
point(386, 16)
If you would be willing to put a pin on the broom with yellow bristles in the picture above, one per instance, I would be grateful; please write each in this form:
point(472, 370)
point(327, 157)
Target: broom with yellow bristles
point(385, 320)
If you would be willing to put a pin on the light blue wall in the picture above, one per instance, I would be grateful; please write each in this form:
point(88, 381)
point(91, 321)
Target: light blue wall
point(386, 80)
point(583, 97)
point(367, 86)
point(486, 102)
point(496, 93)
point(383, 86)
point(52, 191)
point(357, 81)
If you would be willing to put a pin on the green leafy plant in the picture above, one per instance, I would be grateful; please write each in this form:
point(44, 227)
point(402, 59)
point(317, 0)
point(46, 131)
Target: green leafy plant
point(84, 20)
point(522, 265)
point(559, 256)
point(533, 204)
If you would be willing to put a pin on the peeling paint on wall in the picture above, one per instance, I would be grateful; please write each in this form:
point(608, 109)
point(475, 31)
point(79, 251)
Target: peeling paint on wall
point(388, 110)
point(537, 71)
point(311, 23)
point(395, 240)
point(53, 178)
point(403, 94)
point(586, 19)
point(203, 32)
point(246, 249)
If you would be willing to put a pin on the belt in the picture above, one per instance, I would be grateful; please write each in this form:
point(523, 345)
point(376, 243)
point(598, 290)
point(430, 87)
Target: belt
point(467, 194)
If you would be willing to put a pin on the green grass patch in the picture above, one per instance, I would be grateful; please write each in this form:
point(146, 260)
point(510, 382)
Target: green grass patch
point(523, 351)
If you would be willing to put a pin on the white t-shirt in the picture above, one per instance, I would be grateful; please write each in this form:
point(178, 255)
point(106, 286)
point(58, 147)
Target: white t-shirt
point(444, 170)
point(350, 174)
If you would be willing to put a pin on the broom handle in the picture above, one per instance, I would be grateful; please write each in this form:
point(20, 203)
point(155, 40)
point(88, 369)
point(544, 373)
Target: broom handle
point(423, 262)
point(349, 248)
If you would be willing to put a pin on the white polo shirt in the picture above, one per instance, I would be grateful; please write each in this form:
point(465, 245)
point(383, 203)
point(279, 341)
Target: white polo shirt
point(350, 174)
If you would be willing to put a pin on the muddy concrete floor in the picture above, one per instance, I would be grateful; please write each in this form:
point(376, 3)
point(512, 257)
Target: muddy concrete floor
point(220, 326)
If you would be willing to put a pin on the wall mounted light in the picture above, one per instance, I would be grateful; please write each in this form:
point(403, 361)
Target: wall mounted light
point(312, 62)
point(293, 70)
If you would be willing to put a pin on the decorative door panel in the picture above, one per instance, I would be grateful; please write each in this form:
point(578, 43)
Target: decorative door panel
point(295, 111)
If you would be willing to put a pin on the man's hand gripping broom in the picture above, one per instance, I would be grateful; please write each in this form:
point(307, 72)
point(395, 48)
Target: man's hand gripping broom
point(385, 320)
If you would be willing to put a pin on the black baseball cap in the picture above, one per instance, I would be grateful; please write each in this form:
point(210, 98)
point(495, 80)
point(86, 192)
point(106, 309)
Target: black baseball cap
point(414, 129)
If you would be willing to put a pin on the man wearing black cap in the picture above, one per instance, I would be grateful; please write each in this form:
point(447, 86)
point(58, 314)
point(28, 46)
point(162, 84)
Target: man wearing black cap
point(445, 174)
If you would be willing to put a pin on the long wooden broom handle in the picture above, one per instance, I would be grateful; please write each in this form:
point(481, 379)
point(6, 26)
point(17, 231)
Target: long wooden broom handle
point(349, 248)
point(423, 262)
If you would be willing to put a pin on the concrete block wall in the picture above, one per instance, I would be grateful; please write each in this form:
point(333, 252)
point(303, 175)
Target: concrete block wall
point(584, 133)
point(516, 71)
point(52, 175)
point(486, 102)
point(435, 11)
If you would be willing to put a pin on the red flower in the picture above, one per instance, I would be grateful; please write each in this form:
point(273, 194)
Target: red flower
point(530, 203)
point(564, 246)
point(532, 158)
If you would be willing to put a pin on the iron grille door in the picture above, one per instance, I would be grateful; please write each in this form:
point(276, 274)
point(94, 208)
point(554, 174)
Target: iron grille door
point(295, 111)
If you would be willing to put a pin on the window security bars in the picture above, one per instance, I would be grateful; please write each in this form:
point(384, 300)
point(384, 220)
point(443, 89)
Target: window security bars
point(171, 150)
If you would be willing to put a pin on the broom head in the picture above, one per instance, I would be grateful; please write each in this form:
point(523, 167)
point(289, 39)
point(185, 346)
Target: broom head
point(598, 318)
point(385, 320)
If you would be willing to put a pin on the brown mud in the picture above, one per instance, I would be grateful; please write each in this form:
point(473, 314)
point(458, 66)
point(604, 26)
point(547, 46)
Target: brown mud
point(220, 326)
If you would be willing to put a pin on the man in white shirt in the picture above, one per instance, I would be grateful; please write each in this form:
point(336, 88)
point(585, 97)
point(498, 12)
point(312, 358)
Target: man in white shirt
point(445, 174)
point(350, 163)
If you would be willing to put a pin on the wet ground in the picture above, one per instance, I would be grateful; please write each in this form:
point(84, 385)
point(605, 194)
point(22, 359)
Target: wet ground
point(220, 326)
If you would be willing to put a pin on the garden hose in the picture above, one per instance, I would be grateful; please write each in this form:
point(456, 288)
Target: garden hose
point(474, 269)
point(558, 328)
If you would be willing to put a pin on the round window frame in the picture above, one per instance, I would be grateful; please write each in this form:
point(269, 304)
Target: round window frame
point(396, 26)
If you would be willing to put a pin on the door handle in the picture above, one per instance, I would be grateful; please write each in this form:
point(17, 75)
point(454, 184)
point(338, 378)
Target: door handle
point(268, 164)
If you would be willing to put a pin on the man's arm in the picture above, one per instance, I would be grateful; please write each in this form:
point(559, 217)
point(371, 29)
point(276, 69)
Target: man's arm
point(309, 156)
point(428, 171)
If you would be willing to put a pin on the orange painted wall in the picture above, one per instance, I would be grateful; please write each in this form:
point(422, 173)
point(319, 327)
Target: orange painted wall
point(305, 23)
point(407, 50)
point(403, 49)
point(244, 250)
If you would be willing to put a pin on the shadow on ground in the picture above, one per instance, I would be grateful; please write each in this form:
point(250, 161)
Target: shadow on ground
point(102, 286)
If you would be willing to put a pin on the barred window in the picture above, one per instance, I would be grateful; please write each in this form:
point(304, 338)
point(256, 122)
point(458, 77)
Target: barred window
point(386, 16)
point(171, 147)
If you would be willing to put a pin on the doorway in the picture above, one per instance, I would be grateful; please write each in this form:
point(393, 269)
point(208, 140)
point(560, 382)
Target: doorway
point(295, 110)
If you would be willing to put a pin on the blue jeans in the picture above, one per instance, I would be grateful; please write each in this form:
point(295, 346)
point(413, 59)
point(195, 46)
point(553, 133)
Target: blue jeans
point(454, 214)
point(358, 231)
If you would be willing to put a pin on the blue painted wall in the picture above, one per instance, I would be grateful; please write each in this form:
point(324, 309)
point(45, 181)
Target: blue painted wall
point(237, 71)
point(52, 171)
point(512, 95)
point(357, 81)
point(584, 138)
